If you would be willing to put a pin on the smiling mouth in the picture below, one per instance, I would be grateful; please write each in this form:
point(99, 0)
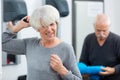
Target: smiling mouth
point(49, 34)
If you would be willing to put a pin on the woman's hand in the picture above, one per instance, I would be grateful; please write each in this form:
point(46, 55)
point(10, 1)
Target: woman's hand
point(25, 24)
point(107, 71)
point(19, 25)
point(57, 65)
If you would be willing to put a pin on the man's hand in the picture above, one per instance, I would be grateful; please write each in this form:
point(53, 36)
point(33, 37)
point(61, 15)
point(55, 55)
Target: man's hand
point(107, 71)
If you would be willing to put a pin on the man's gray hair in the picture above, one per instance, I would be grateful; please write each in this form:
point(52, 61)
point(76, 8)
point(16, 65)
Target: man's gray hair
point(102, 19)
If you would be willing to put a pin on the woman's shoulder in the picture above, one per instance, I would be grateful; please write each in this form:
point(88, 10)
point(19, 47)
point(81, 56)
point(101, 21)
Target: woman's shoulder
point(66, 45)
point(32, 40)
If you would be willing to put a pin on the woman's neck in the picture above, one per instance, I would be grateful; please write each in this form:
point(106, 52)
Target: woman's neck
point(50, 43)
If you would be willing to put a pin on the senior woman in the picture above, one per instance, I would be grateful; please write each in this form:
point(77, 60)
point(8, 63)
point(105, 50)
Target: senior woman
point(48, 58)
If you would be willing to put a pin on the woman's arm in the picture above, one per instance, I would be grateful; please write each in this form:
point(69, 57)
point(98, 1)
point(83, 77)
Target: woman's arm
point(71, 65)
point(68, 69)
point(9, 43)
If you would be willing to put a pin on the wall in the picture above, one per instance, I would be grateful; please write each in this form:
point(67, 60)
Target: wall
point(0, 41)
point(12, 72)
point(111, 8)
point(66, 25)
point(85, 13)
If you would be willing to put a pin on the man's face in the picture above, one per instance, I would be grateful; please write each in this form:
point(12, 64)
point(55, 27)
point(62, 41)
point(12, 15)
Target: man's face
point(102, 26)
point(101, 31)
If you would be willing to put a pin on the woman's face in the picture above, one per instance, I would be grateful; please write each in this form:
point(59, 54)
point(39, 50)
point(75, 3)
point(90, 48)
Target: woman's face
point(48, 32)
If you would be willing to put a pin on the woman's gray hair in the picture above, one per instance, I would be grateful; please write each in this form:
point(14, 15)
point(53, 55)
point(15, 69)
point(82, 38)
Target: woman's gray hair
point(44, 16)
